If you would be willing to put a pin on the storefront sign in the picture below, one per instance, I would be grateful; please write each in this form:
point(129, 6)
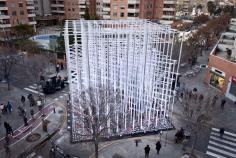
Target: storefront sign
point(234, 79)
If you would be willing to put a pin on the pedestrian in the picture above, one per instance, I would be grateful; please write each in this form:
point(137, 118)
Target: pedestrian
point(32, 113)
point(62, 66)
point(147, 150)
point(222, 131)
point(7, 150)
point(10, 130)
point(136, 142)
point(6, 125)
point(57, 68)
point(2, 108)
point(23, 100)
point(201, 97)
point(25, 121)
point(223, 101)
point(9, 107)
point(158, 146)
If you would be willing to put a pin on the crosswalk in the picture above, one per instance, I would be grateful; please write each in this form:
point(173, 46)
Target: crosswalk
point(224, 147)
point(33, 89)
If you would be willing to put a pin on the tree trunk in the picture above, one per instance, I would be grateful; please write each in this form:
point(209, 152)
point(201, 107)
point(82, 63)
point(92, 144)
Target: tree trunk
point(193, 145)
point(96, 148)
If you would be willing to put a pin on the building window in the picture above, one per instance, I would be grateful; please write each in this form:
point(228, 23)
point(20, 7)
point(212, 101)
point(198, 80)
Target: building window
point(69, 9)
point(20, 5)
point(73, 9)
point(22, 13)
point(122, 6)
point(232, 89)
point(114, 14)
point(13, 13)
point(217, 79)
point(122, 14)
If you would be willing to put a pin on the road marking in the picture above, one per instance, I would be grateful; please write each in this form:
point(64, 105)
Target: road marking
point(214, 155)
point(221, 151)
point(56, 99)
point(33, 87)
point(61, 96)
point(33, 91)
point(222, 140)
point(226, 132)
point(224, 136)
point(222, 146)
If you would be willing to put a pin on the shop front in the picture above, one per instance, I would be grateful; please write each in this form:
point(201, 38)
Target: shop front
point(231, 89)
point(217, 78)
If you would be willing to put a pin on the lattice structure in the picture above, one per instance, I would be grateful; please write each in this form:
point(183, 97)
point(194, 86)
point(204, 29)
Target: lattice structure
point(133, 56)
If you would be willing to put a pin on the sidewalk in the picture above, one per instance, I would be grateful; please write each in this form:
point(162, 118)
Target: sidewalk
point(20, 145)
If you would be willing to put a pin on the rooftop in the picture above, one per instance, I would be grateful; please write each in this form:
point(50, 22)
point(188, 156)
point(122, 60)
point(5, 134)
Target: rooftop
point(226, 46)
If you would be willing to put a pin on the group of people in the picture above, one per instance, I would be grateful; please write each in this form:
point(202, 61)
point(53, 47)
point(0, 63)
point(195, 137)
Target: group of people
point(6, 108)
point(147, 149)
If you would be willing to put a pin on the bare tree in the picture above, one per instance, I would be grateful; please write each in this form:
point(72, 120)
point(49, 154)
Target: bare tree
point(36, 66)
point(8, 60)
point(197, 110)
point(98, 111)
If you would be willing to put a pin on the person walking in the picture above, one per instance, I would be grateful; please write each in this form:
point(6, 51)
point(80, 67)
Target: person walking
point(6, 125)
point(9, 107)
point(223, 101)
point(57, 68)
point(147, 150)
point(62, 66)
point(222, 131)
point(158, 146)
point(32, 113)
point(23, 100)
point(26, 121)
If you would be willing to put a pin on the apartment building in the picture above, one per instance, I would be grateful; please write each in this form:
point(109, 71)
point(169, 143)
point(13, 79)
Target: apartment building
point(72, 9)
point(222, 63)
point(129, 9)
point(15, 12)
point(42, 7)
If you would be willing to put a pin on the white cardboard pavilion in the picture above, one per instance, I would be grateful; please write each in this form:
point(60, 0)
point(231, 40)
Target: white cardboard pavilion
point(134, 56)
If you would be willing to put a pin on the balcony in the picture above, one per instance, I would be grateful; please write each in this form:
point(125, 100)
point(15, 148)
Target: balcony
point(132, 10)
point(57, 5)
point(106, 1)
point(30, 7)
point(3, 8)
point(81, 13)
point(32, 22)
point(168, 17)
point(169, 9)
point(106, 9)
point(133, 1)
point(169, 2)
point(58, 11)
point(106, 17)
point(5, 25)
point(4, 17)
point(31, 15)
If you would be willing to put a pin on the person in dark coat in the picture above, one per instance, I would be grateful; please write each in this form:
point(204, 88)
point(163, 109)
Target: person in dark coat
point(62, 66)
point(26, 121)
point(147, 150)
point(223, 101)
point(158, 146)
point(6, 125)
point(9, 107)
point(23, 100)
point(222, 131)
